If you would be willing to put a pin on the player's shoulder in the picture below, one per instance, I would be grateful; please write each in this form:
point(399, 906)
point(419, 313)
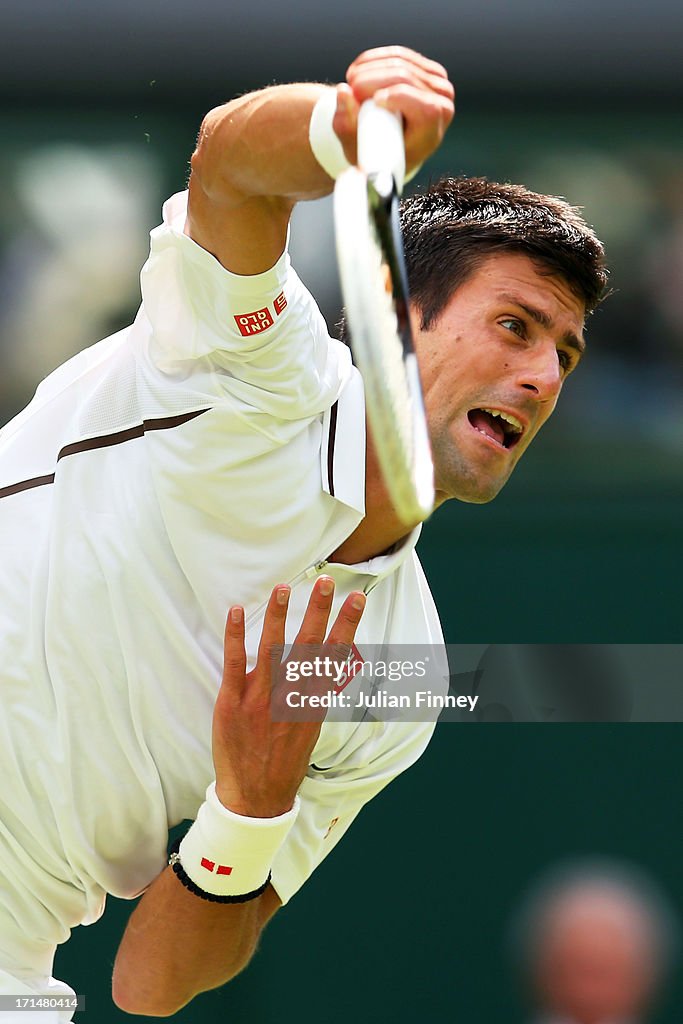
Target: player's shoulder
point(261, 337)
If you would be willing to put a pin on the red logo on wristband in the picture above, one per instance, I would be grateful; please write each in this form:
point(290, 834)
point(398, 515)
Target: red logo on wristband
point(280, 303)
point(222, 869)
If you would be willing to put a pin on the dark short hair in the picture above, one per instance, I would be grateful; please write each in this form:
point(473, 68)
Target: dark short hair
point(451, 227)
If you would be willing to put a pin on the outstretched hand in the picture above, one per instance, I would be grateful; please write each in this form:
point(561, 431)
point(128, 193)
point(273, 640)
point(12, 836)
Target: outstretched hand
point(406, 83)
point(260, 763)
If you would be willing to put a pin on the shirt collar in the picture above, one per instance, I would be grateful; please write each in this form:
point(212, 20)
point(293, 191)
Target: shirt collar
point(342, 452)
point(342, 464)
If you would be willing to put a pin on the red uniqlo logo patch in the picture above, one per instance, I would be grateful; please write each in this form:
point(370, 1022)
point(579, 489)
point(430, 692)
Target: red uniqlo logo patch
point(254, 323)
point(222, 869)
point(280, 303)
point(354, 665)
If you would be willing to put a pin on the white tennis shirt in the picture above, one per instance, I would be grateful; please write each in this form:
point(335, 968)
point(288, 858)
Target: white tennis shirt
point(214, 448)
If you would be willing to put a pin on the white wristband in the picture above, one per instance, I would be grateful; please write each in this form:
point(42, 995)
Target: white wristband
point(325, 143)
point(229, 854)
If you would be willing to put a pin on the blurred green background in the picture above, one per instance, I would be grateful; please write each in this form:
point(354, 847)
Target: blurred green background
point(406, 920)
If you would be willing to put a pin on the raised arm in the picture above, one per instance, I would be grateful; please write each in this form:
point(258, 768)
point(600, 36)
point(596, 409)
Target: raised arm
point(253, 160)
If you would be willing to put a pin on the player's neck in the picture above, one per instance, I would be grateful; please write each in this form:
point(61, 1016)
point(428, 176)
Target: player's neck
point(381, 528)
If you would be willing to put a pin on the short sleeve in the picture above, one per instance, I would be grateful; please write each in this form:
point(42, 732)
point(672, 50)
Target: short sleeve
point(265, 330)
point(332, 796)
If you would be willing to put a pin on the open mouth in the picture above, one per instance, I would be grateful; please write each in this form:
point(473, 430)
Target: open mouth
point(501, 427)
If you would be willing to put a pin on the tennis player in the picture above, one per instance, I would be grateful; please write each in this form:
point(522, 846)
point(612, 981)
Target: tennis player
point(211, 456)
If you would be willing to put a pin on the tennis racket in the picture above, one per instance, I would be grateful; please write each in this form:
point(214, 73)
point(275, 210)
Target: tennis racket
point(375, 291)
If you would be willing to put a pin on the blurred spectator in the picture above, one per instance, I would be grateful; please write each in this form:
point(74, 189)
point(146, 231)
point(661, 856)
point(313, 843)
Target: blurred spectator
point(73, 245)
point(595, 942)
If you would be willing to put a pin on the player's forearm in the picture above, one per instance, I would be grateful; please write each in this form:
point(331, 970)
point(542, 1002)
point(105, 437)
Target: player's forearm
point(258, 146)
point(177, 945)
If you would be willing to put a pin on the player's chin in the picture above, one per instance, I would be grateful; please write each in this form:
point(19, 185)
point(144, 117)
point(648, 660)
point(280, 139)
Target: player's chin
point(475, 474)
point(482, 492)
point(486, 479)
point(473, 485)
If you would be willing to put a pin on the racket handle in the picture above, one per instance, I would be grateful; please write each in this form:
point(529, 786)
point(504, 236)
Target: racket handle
point(380, 142)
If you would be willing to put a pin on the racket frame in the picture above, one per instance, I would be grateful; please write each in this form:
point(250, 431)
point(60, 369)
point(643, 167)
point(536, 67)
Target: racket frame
point(367, 224)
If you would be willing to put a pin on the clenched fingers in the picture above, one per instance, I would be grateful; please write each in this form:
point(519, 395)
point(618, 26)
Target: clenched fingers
point(426, 117)
point(406, 83)
point(379, 54)
point(370, 78)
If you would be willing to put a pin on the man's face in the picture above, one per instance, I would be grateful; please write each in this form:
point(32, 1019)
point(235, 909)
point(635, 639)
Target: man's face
point(505, 342)
point(597, 959)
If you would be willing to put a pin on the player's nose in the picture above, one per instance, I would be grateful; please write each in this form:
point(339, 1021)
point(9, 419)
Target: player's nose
point(541, 373)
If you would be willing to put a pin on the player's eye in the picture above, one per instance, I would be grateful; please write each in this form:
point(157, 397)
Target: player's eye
point(511, 323)
point(565, 360)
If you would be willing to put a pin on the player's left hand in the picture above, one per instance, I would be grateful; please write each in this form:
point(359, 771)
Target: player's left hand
point(406, 83)
point(260, 762)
